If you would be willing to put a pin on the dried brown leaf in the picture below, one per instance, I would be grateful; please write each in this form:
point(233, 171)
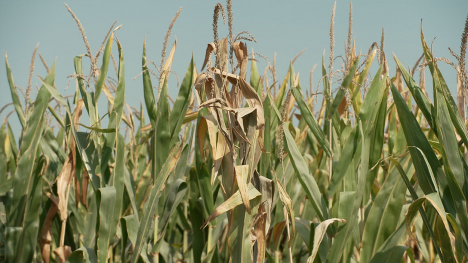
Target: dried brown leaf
point(242, 173)
point(167, 66)
point(46, 233)
point(209, 49)
point(62, 253)
point(240, 50)
point(287, 209)
point(63, 183)
point(342, 107)
point(231, 203)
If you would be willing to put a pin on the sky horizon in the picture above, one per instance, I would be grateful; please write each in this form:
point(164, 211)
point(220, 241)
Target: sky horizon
point(283, 27)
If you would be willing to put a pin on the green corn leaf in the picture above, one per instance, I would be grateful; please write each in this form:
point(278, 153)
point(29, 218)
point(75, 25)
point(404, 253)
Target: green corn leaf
point(356, 98)
point(307, 181)
point(162, 134)
point(148, 90)
point(195, 217)
point(239, 231)
point(418, 94)
point(206, 192)
point(152, 200)
point(434, 200)
point(372, 100)
point(384, 214)
point(458, 237)
point(282, 92)
point(104, 67)
point(83, 254)
point(129, 225)
point(366, 121)
point(27, 243)
point(442, 87)
point(377, 143)
point(14, 95)
point(88, 155)
point(391, 241)
point(326, 84)
point(6, 186)
point(105, 199)
point(115, 116)
point(347, 157)
point(255, 79)
point(416, 138)
point(118, 183)
point(4, 154)
point(97, 129)
point(311, 121)
point(303, 229)
point(130, 192)
point(177, 192)
point(91, 219)
point(13, 146)
point(56, 116)
point(85, 149)
point(265, 158)
point(344, 86)
point(415, 197)
point(27, 153)
point(88, 97)
point(393, 255)
point(13, 235)
point(181, 105)
point(451, 156)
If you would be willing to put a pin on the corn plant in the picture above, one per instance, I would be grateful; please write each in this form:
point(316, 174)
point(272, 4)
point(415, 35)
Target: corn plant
point(237, 170)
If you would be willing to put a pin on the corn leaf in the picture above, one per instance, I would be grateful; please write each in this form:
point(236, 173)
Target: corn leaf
point(308, 183)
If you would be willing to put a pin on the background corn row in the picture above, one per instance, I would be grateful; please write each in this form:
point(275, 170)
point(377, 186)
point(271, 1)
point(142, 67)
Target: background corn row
point(235, 169)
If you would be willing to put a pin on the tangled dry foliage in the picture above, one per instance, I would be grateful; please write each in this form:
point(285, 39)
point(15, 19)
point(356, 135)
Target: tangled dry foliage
point(235, 170)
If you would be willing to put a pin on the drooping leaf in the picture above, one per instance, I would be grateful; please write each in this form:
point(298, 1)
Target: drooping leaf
point(320, 232)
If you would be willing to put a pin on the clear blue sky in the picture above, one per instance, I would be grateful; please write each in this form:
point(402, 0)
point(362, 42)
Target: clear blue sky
point(284, 27)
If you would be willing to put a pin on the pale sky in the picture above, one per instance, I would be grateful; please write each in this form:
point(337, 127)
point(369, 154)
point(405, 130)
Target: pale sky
point(284, 27)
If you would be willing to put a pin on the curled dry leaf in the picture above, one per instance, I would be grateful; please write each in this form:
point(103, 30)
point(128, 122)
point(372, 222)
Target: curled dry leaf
point(288, 209)
point(222, 56)
point(63, 182)
point(242, 173)
point(240, 50)
point(231, 203)
point(210, 48)
point(62, 253)
point(249, 93)
point(320, 232)
point(257, 235)
point(261, 224)
point(217, 143)
point(217, 103)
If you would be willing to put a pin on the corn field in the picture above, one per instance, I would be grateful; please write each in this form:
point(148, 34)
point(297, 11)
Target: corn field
point(241, 166)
